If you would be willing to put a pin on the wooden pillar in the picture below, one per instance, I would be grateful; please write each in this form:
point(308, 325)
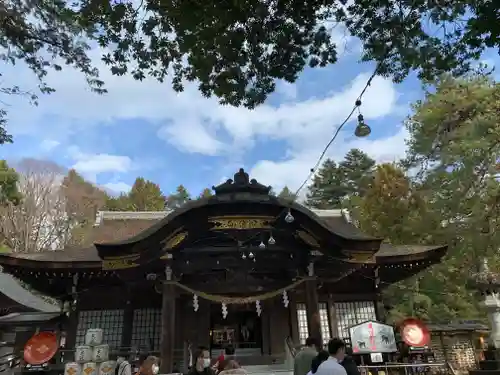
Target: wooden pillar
point(379, 305)
point(294, 322)
point(128, 322)
point(312, 306)
point(71, 328)
point(72, 323)
point(202, 337)
point(265, 319)
point(168, 325)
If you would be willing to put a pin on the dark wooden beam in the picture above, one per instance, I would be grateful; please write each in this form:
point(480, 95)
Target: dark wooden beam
point(262, 263)
point(234, 249)
point(232, 287)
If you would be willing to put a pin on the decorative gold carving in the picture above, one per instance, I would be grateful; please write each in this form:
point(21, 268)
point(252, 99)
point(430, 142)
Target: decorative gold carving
point(119, 263)
point(175, 241)
point(241, 222)
point(308, 238)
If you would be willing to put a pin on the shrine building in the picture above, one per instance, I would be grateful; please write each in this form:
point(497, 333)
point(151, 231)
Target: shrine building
point(241, 268)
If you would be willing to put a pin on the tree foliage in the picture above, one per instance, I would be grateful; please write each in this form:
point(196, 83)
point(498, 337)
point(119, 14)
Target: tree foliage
point(287, 194)
point(335, 182)
point(177, 199)
point(238, 50)
point(452, 196)
point(144, 195)
point(206, 193)
point(9, 190)
point(82, 201)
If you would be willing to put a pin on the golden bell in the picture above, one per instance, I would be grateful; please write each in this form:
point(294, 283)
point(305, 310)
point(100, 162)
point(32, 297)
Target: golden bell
point(362, 130)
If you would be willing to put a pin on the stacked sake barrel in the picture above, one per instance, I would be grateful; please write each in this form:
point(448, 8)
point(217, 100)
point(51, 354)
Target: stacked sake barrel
point(91, 358)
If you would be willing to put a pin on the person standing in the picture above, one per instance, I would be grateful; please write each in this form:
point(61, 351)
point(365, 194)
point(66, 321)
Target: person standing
point(317, 361)
point(202, 363)
point(150, 366)
point(332, 366)
point(349, 363)
point(123, 366)
point(304, 358)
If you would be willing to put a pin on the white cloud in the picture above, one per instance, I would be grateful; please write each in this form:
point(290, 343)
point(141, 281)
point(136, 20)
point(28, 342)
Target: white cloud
point(49, 144)
point(90, 165)
point(193, 123)
point(190, 135)
point(293, 171)
point(117, 187)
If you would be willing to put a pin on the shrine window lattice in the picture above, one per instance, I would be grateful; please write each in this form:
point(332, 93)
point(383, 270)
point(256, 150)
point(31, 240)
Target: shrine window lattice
point(351, 313)
point(324, 322)
point(110, 321)
point(146, 329)
point(326, 333)
point(302, 322)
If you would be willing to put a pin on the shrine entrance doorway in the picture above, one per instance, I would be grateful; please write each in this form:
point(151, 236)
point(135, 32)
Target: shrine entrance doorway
point(241, 329)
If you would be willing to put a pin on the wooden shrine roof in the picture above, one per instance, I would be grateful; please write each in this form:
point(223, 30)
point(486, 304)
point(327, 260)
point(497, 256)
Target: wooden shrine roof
point(15, 298)
point(113, 226)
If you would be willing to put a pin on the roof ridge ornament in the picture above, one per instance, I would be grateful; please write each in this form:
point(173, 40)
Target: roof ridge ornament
point(241, 183)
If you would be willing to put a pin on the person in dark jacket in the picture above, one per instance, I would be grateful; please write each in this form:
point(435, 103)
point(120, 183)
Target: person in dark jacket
point(349, 363)
point(202, 363)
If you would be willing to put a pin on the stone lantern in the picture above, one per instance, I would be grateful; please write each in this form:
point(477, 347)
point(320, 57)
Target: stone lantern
point(488, 284)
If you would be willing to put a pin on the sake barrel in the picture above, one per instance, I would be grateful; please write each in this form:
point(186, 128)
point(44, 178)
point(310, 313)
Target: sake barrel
point(107, 368)
point(83, 353)
point(100, 353)
point(89, 368)
point(93, 337)
point(72, 368)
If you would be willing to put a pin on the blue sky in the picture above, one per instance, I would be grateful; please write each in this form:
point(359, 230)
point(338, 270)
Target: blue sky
point(145, 129)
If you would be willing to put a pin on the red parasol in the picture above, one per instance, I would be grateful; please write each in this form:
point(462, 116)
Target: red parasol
point(415, 333)
point(40, 348)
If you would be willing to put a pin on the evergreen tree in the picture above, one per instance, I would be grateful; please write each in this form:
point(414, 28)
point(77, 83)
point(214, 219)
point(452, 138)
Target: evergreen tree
point(9, 192)
point(119, 203)
point(146, 196)
point(327, 189)
point(206, 193)
point(286, 193)
point(176, 200)
point(356, 168)
point(335, 182)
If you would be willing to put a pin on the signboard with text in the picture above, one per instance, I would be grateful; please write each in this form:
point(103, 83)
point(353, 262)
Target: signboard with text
point(372, 337)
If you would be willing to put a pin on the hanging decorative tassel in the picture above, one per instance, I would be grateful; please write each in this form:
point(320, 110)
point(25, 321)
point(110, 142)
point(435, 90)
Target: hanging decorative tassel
point(224, 310)
point(196, 305)
point(285, 298)
point(258, 308)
